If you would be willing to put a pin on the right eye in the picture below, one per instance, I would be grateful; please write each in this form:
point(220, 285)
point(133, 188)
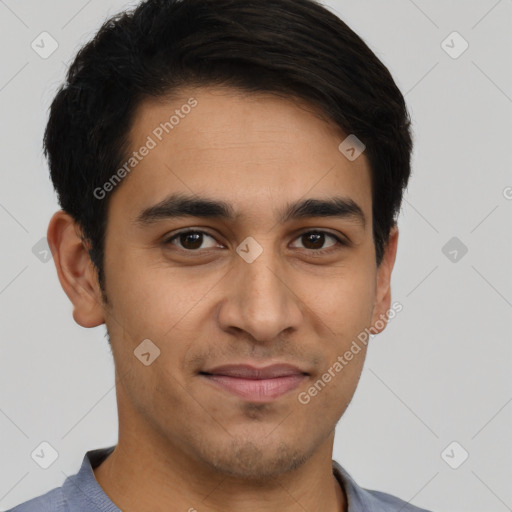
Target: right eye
point(190, 240)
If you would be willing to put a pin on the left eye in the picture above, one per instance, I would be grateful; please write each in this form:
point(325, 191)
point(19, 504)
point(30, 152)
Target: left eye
point(193, 240)
point(317, 238)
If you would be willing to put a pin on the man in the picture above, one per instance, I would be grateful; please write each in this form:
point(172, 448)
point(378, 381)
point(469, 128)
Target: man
point(229, 173)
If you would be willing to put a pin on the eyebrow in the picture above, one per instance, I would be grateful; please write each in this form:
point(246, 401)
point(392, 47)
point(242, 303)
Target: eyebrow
point(180, 205)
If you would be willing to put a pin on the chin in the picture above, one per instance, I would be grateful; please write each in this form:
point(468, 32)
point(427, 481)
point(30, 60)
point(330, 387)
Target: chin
point(248, 460)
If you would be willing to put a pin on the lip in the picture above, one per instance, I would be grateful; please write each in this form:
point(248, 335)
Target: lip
point(256, 384)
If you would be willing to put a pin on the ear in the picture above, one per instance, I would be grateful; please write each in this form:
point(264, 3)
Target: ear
point(75, 270)
point(383, 292)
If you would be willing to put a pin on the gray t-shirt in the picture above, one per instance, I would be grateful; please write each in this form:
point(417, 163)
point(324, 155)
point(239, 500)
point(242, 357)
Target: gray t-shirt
point(82, 493)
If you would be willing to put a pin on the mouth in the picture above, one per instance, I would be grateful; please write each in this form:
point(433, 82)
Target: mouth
point(256, 384)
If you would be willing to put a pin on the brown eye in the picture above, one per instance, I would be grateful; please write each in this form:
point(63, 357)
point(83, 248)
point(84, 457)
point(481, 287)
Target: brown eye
point(190, 240)
point(315, 240)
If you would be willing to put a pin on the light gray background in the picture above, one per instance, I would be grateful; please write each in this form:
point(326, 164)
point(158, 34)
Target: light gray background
point(439, 373)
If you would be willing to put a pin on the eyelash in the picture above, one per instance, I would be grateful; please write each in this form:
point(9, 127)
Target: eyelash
point(340, 242)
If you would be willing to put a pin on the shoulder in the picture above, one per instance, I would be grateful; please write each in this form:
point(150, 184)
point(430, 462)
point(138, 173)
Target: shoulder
point(79, 492)
point(392, 503)
point(52, 501)
point(362, 500)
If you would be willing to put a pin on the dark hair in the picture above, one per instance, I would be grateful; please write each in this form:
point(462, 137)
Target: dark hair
point(293, 48)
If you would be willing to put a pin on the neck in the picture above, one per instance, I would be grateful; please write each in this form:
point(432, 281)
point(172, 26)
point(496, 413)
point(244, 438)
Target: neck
point(143, 476)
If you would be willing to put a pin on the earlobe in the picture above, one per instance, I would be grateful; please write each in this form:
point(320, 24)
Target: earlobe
point(383, 293)
point(75, 270)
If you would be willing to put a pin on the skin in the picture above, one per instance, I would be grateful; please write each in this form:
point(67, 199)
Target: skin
point(183, 442)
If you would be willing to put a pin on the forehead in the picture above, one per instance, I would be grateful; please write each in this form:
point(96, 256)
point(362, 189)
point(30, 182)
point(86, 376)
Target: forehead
point(247, 149)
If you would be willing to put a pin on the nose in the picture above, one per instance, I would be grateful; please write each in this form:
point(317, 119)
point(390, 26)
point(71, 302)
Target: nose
point(259, 300)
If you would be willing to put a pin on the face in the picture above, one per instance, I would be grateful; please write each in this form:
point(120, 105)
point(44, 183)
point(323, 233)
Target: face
point(214, 254)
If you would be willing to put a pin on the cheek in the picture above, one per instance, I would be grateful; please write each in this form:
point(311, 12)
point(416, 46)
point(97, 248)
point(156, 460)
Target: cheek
point(345, 306)
point(345, 300)
point(169, 306)
point(145, 293)
point(328, 394)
